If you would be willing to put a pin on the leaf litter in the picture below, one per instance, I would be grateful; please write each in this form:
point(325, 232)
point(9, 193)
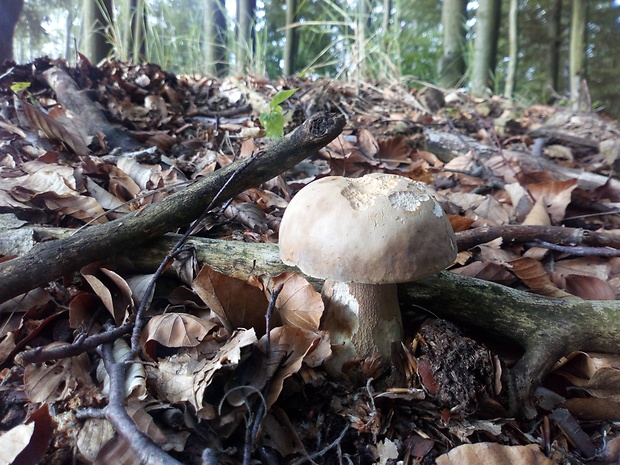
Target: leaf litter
point(214, 367)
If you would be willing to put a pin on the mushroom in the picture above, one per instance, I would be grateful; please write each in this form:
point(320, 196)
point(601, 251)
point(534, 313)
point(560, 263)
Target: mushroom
point(363, 236)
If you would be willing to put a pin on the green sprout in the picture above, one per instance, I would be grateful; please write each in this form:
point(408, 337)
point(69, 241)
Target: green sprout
point(273, 122)
point(19, 86)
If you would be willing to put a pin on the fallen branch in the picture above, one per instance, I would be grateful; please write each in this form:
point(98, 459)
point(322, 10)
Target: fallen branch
point(532, 233)
point(145, 450)
point(50, 260)
point(547, 329)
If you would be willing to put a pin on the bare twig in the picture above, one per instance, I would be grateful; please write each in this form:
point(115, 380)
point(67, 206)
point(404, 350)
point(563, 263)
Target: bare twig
point(323, 451)
point(528, 233)
point(81, 344)
point(579, 251)
point(139, 319)
point(270, 308)
point(141, 445)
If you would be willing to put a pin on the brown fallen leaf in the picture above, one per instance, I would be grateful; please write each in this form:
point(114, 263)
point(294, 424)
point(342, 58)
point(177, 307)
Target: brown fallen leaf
point(57, 380)
point(534, 276)
point(174, 330)
point(299, 305)
point(237, 303)
point(112, 289)
point(485, 453)
point(26, 444)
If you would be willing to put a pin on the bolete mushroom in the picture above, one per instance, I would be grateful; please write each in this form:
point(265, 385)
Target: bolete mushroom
point(364, 235)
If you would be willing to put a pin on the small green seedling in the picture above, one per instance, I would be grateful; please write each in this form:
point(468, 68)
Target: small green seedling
point(273, 122)
point(19, 86)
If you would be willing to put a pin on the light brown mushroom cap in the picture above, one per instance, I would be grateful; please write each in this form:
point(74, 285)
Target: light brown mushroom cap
point(380, 228)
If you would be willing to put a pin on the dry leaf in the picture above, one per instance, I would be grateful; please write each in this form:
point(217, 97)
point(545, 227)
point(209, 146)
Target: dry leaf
point(135, 377)
point(174, 330)
point(589, 288)
point(288, 347)
point(92, 436)
point(27, 444)
point(556, 195)
point(298, 303)
point(64, 127)
point(597, 267)
point(53, 381)
point(485, 453)
point(248, 214)
point(81, 207)
point(237, 303)
point(181, 378)
point(112, 289)
point(536, 278)
point(538, 215)
point(367, 143)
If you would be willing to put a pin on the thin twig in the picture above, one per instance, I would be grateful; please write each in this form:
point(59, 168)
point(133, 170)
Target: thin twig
point(139, 319)
point(145, 450)
point(581, 251)
point(323, 451)
point(80, 345)
point(270, 308)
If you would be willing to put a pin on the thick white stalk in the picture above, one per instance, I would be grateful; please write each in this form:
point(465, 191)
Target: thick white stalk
point(361, 319)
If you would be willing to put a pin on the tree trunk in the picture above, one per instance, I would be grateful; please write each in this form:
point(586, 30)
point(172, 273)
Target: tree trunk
point(554, 26)
point(215, 37)
point(292, 36)
point(513, 47)
point(577, 53)
point(452, 63)
point(97, 18)
point(9, 14)
point(246, 37)
point(360, 38)
point(137, 14)
point(485, 46)
point(68, 35)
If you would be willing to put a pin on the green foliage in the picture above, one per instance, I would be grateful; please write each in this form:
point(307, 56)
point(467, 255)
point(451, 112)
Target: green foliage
point(330, 43)
point(273, 122)
point(19, 86)
point(41, 29)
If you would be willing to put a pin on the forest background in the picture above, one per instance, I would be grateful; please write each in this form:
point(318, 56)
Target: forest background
point(518, 48)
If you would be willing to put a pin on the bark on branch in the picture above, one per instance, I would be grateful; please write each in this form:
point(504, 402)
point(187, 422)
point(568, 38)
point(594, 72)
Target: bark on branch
point(50, 260)
point(547, 329)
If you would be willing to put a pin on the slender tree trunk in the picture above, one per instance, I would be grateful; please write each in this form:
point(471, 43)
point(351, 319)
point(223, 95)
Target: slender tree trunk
point(9, 14)
point(452, 63)
point(68, 35)
point(215, 37)
point(97, 17)
point(362, 24)
point(138, 30)
point(554, 25)
point(513, 48)
point(485, 45)
point(246, 38)
point(577, 52)
point(292, 36)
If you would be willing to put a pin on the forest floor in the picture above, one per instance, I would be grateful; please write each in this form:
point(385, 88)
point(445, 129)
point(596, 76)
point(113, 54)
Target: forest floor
point(212, 387)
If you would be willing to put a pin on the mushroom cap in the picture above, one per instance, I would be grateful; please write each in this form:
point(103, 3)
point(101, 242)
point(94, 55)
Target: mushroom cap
point(380, 228)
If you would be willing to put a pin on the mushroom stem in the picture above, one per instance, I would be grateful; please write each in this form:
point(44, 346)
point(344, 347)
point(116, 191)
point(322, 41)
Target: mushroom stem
point(361, 319)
